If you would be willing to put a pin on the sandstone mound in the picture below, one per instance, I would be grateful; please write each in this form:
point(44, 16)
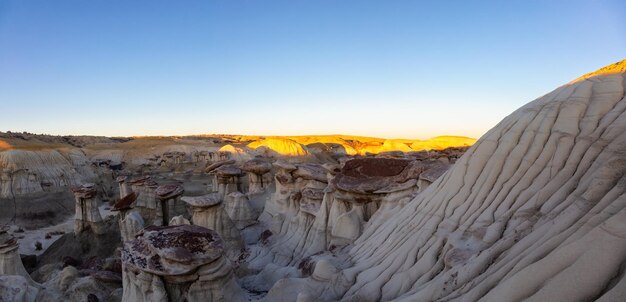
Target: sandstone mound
point(281, 146)
point(534, 211)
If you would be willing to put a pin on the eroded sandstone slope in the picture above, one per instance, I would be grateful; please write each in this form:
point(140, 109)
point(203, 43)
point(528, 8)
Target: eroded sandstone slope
point(534, 211)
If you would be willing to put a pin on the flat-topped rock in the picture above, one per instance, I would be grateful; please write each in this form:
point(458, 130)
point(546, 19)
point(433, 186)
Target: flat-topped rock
point(282, 164)
point(169, 191)
point(125, 203)
point(172, 250)
point(139, 181)
point(311, 172)
point(218, 164)
point(376, 175)
point(228, 170)
point(257, 166)
point(435, 171)
point(203, 201)
point(87, 190)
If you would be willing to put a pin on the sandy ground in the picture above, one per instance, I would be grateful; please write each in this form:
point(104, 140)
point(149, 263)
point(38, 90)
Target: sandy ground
point(28, 238)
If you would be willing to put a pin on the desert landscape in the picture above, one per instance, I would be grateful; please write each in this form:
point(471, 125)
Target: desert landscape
point(305, 151)
point(534, 210)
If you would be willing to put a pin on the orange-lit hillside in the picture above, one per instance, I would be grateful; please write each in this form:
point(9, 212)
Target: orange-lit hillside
point(294, 145)
point(615, 68)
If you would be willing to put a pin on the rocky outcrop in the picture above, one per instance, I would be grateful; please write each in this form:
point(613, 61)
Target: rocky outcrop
point(208, 211)
point(147, 203)
point(178, 263)
point(17, 288)
point(10, 262)
point(87, 215)
point(130, 221)
point(279, 146)
point(228, 179)
point(239, 210)
point(124, 188)
point(24, 173)
point(258, 175)
point(169, 203)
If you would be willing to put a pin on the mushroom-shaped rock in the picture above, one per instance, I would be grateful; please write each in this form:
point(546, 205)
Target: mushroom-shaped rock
point(257, 166)
point(147, 203)
point(177, 263)
point(169, 203)
point(87, 213)
point(362, 187)
point(203, 201)
point(257, 170)
point(228, 179)
point(367, 175)
point(239, 210)
point(123, 185)
point(208, 212)
point(130, 221)
point(172, 250)
point(10, 261)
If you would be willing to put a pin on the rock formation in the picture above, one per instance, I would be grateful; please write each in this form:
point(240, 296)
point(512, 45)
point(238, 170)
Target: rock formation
point(209, 212)
point(279, 146)
point(123, 185)
point(257, 170)
point(228, 179)
point(178, 263)
point(534, 211)
point(130, 221)
point(147, 203)
point(169, 203)
point(87, 213)
point(10, 262)
point(239, 210)
point(17, 289)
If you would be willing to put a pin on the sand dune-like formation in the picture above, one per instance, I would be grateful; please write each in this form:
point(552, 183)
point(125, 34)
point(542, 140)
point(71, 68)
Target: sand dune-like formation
point(281, 146)
point(534, 211)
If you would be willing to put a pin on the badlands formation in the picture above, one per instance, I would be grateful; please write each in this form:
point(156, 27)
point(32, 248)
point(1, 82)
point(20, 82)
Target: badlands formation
point(535, 210)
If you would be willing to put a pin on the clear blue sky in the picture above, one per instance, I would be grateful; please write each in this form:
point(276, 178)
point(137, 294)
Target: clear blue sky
point(411, 69)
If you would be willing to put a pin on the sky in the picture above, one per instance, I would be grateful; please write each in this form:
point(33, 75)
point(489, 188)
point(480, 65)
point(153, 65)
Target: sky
point(394, 69)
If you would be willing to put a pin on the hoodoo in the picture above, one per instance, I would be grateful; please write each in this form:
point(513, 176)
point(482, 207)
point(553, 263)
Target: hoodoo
point(178, 263)
point(208, 211)
point(87, 212)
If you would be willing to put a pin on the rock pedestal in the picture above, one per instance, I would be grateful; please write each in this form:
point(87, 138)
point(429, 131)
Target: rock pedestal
point(123, 185)
point(147, 203)
point(228, 179)
point(257, 169)
point(239, 210)
point(169, 206)
point(178, 263)
point(208, 212)
point(130, 221)
point(10, 262)
point(87, 212)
